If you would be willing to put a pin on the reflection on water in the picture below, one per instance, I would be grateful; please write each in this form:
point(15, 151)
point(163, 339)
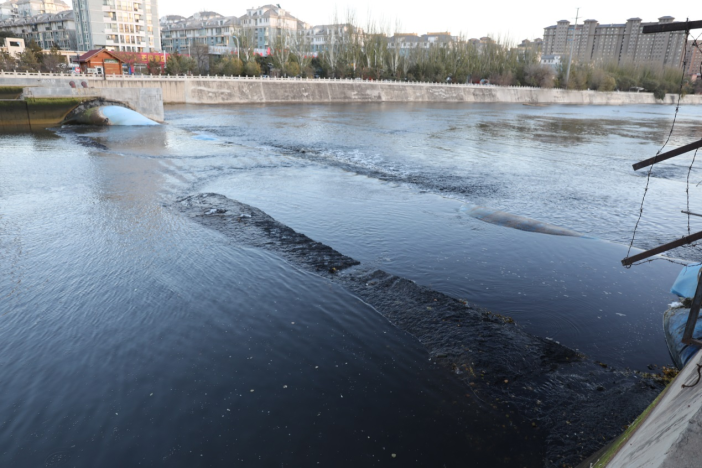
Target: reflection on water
point(130, 335)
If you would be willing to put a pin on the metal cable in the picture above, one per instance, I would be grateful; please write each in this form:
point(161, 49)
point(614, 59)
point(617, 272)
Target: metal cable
point(650, 169)
point(694, 156)
point(687, 190)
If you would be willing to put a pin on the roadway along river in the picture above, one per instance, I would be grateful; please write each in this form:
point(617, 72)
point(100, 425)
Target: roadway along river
point(131, 335)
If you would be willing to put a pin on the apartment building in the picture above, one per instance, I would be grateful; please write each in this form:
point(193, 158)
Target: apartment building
point(323, 37)
point(412, 41)
point(26, 8)
point(117, 25)
point(694, 58)
point(265, 24)
point(8, 10)
point(257, 31)
point(553, 61)
point(47, 30)
point(535, 46)
point(620, 43)
point(206, 28)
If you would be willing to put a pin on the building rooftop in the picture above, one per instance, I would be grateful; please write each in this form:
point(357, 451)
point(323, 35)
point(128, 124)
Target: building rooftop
point(197, 21)
point(66, 15)
point(91, 53)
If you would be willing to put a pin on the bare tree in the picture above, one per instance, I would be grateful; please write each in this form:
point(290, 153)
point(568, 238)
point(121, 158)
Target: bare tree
point(28, 61)
point(330, 49)
point(51, 61)
point(7, 62)
point(247, 43)
point(280, 52)
point(396, 53)
point(301, 46)
point(201, 55)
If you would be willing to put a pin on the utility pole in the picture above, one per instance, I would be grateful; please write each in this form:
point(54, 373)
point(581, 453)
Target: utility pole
point(572, 47)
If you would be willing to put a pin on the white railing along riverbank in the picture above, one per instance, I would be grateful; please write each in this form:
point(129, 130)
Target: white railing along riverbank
point(213, 89)
point(93, 76)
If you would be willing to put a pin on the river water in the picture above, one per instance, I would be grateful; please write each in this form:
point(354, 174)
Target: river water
point(131, 335)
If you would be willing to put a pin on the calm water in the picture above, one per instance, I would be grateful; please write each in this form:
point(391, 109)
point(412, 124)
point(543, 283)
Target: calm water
point(132, 336)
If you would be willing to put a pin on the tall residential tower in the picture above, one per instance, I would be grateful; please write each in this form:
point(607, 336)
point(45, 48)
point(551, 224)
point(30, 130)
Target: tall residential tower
point(617, 43)
point(129, 26)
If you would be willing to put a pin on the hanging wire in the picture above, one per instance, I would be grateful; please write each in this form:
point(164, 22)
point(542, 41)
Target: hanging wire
point(670, 134)
point(687, 190)
point(696, 45)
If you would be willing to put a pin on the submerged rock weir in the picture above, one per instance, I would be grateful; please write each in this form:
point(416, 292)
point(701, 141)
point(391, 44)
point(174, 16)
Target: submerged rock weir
point(573, 404)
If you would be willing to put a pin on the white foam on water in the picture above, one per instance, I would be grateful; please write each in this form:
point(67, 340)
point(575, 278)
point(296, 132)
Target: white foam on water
point(123, 116)
point(202, 137)
point(367, 161)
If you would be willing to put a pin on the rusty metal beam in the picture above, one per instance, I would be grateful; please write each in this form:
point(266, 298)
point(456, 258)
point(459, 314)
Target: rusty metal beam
point(667, 155)
point(669, 27)
point(663, 248)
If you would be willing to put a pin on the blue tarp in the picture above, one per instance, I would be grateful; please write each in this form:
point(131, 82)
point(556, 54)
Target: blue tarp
point(674, 322)
point(686, 284)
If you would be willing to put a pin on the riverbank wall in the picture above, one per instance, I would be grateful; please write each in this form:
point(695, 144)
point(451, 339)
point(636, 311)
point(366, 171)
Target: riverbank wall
point(242, 90)
point(666, 433)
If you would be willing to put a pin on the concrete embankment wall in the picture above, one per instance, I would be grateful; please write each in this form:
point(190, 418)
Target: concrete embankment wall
point(213, 90)
point(231, 91)
point(14, 116)
point(35, 113)
point(670, 435)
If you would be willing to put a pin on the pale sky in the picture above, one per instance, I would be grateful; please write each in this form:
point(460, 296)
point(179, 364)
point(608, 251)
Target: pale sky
point(524, 19)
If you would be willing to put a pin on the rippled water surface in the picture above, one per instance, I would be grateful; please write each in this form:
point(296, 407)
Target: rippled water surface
point(130, 335)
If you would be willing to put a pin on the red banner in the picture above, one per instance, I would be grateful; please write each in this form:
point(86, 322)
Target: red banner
point(142, 58)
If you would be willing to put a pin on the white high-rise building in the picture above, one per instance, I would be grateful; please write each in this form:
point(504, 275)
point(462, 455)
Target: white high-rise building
point(617, 43)
point(129, 26)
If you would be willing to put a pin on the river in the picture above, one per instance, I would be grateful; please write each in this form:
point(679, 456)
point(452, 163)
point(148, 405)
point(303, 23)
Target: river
point(131, 335)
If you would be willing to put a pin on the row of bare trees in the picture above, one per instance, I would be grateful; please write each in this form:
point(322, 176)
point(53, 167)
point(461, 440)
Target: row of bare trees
point(344, 49)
